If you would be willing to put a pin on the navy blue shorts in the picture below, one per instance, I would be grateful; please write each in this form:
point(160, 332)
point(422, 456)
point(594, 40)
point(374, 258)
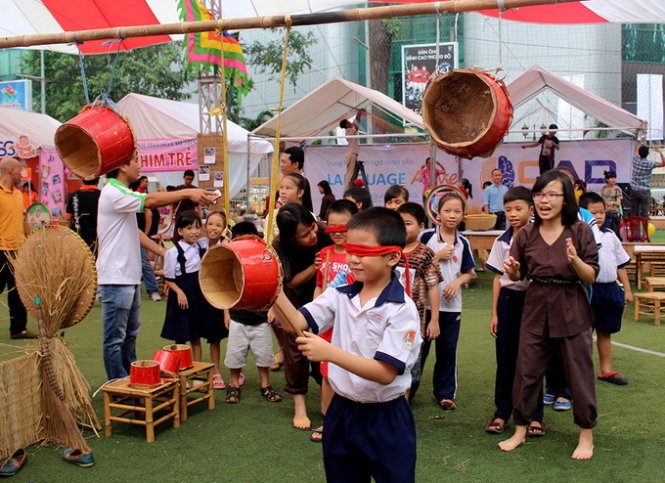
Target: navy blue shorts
point(364, 441)
point(607, 303)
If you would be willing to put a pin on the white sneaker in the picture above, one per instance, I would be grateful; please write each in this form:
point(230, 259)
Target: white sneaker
point(155, 297)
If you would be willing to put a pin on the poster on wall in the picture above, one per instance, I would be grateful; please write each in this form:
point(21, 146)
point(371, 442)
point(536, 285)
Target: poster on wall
point(16, 94)
point(405, 164)
point(51, 185)
point(168, 154)
point(419, 63)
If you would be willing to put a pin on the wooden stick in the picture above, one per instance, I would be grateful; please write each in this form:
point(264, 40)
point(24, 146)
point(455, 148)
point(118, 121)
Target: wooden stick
point(284, 310)
point(352, 15)
point(326, 270)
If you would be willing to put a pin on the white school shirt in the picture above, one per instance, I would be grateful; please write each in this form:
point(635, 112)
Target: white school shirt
point(500, 252)
point(611, 256)
point(119, 255)
point(461, 262)
point(386, 328)
point(192, 259)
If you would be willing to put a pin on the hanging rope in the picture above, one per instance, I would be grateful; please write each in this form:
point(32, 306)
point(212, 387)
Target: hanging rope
point(501, 6)
point(115, 63)
point(225, 138)
point(83, 77)
point(438, 40)
point(275, 158)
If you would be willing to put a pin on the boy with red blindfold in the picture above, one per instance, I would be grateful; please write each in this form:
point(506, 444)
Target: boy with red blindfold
point(369, 428)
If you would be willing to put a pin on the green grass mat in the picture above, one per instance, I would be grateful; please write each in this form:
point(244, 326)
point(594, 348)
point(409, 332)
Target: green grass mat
point(253, 441)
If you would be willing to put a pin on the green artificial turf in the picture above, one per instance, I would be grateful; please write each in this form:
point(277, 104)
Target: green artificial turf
point(253, 441)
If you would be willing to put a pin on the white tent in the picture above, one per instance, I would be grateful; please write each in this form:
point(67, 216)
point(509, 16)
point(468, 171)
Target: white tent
point(325, 106)
point(155, 118)
point(39, 128)
point(532, 82)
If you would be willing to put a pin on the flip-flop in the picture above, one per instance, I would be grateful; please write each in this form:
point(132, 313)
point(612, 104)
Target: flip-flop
point(614, 378)
point(302, 424)
point(317, 435)
point(536, 431)
point(495, 427)
point(447, 405)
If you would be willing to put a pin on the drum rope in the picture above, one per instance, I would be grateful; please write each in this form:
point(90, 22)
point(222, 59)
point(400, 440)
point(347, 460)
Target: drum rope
point(225, 139)
point(276, 154)
point(83, 77)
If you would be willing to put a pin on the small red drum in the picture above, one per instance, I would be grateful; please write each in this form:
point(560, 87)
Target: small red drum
point(144, 374)
point(169, 361)
point(467, 113)
point(95, 141)
point(242, 274)
point(184, 353)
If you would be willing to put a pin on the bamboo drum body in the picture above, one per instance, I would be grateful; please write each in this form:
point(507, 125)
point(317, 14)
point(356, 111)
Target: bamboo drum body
point(95, 142)
point(467, 113)
point(184, 353)
point(144, 374)
point(169, 361)
point(243, 274)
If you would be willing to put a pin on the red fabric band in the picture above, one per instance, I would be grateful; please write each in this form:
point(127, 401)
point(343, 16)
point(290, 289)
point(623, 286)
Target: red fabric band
point(336, 229)
point(377, 251)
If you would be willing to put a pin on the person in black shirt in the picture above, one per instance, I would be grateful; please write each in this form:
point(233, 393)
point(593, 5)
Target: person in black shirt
point(82, 212)
point(548, 144)
point(185, 205)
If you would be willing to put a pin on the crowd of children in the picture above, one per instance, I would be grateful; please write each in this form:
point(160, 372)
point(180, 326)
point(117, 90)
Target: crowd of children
point(378, 288)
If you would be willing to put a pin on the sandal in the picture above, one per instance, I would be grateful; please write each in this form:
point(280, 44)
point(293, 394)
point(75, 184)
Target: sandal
point(232, 395)
point(302, 424)
point(536, 431)
point(317, 434)
point(269, 394)
point(447, 405)
point(218, 382)
point(614, 378)
point(495, 426)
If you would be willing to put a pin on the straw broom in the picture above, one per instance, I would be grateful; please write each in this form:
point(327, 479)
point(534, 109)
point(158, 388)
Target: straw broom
point(56, 280)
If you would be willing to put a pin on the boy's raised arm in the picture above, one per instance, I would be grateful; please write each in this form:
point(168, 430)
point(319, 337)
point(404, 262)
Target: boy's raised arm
point(317, 349)
point(293, 320)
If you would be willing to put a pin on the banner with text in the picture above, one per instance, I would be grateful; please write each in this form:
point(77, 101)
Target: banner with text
point(175, 154)
point(404, 164)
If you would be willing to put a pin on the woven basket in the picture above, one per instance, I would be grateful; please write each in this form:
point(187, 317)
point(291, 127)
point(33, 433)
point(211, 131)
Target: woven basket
point(479, 222)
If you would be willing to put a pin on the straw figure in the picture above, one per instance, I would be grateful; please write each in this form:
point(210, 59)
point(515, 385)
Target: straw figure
point(43, 395)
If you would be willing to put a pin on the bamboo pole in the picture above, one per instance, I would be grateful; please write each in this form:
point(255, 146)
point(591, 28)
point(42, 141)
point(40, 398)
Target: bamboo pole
point(352, 15)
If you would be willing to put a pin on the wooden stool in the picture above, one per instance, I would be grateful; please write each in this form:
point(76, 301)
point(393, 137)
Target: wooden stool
point(200, 376)
point(649, 304)
point(655, 283)
point(144, 402)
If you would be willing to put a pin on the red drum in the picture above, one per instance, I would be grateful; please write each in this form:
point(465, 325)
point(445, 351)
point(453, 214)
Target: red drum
point(144, 374)
point(95, 141)
point(184, 353)
point(242, 274)
point(168, 361)
point(467, 113)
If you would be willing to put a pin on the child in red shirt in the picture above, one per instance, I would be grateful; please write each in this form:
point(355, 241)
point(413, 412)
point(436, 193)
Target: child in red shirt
point(332, 271)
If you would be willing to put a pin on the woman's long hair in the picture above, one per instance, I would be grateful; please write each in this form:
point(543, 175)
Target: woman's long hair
point(288, 218)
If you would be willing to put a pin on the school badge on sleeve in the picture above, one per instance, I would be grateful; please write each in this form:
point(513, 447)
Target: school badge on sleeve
point(409, 339)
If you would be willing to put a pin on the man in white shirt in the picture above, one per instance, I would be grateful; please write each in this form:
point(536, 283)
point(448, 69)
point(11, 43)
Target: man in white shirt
point(119, 260)
point(351, 129)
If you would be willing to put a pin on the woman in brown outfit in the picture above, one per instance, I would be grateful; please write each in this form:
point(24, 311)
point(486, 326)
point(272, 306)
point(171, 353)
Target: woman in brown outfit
point(558, 253)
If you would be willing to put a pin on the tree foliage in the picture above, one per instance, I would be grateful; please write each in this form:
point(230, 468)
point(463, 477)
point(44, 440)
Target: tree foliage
point(267, 56)
point(157, 70)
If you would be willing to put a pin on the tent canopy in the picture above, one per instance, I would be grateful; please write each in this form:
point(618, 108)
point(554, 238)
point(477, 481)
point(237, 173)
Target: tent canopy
point(21, 17)
point(325, 106)
point(155, 118)
point(532, 82)
point(39, 128)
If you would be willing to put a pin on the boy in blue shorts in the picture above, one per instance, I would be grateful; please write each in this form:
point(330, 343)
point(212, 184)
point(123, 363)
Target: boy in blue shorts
point(369, 429)
point(507, 306)
point(607, 298)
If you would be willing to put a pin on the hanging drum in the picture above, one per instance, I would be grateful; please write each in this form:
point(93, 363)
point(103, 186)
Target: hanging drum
point(467, 112)
point(96, 141)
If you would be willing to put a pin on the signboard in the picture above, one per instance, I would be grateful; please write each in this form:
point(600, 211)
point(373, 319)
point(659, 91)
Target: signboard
point(16, 94)
point(419, 63)
point(168, 154)
point(404, 164)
